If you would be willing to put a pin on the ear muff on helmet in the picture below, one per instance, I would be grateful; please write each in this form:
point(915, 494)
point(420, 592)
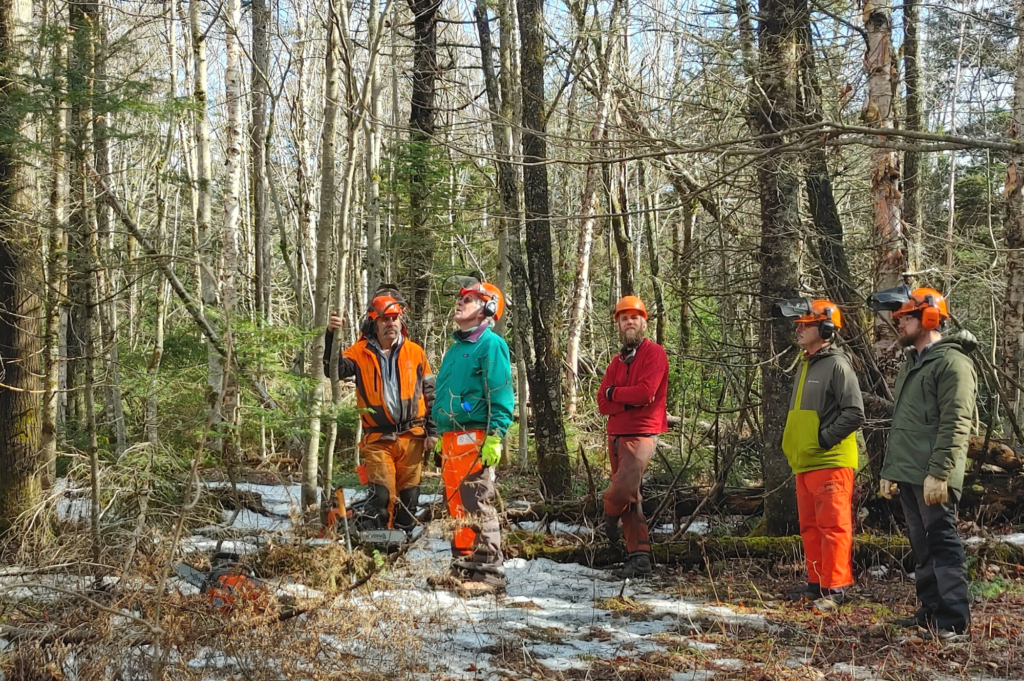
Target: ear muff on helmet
point(827, 329)
point(491, 307)
point(931, 318)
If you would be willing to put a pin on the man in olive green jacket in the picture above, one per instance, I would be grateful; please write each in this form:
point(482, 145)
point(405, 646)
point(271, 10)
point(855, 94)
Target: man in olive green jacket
point(925, 458)
point(820, 444)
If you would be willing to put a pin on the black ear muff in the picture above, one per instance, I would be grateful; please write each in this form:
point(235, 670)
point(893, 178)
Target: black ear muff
point(491, 307)
point(827, 328)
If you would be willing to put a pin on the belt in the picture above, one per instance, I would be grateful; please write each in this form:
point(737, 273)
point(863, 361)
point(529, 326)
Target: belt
point(396, 427)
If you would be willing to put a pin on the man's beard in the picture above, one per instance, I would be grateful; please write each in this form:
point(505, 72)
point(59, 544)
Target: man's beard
point(906, 341)
point(631, 339)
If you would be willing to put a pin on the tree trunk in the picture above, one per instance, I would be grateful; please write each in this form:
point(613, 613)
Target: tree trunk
point(324, 231)
point(588, 209)
point(159, 236)
point(107, 302)
point(890, 259)
point(615, 180)
point(19, 306)
point(372, 129)
point(232, 208)
point(546, 373)
point(209, 262)
point(56, 265)
point(417, 258)
point(780, 247)
point(262, 238)
point(1013, 234)
point(911, 162)
point(650, 217)
point(828, 225)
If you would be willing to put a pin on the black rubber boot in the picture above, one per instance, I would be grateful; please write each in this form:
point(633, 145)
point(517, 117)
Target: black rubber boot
point(405, 509)
point(375, 511)
point(637, 566)
point(804, 592)
point(830, 600)
point(612, 529)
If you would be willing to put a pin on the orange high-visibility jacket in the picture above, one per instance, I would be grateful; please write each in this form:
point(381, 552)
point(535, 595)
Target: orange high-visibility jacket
point(415, 389)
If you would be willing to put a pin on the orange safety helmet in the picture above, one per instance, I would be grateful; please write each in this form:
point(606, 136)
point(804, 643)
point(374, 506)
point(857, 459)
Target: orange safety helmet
point(494, 301)
point(630, 304)
point(822, 311)
point(930, 303)
point(384, 306)
point(826, 315)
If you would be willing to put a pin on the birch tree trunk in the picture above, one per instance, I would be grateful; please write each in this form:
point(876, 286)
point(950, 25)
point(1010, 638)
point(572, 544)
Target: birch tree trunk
point(56, 262)
point(588, 209)
point(232, 205)
point(1013, 232)
point(19, 306)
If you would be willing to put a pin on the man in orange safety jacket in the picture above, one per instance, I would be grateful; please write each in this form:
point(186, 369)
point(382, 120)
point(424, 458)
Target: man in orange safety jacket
point(394, 393)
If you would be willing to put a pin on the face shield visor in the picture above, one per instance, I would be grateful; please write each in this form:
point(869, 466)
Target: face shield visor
point(889, 300)
point(792, 308)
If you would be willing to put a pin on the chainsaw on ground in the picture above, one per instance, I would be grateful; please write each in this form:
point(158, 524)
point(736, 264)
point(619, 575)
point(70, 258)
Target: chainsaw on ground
point(226, 583)
point(345, 521)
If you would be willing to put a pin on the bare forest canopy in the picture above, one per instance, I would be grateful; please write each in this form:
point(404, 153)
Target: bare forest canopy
point(189, 188)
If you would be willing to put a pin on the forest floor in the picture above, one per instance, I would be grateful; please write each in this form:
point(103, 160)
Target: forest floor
point(555, 621)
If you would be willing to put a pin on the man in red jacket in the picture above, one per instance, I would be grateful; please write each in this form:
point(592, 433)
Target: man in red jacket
point(632, 396)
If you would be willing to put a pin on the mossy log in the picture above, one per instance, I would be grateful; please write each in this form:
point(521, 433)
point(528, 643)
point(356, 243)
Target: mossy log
point(869, 551)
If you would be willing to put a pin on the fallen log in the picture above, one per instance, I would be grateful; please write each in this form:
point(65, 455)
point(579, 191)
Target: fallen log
point(715, 552)
point(995, 454)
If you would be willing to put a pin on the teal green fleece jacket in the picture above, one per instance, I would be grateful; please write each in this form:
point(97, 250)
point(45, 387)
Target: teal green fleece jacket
point(474, 384)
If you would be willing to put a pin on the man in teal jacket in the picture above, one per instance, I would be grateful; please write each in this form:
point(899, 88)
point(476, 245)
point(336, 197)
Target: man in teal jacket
point(926, 454)
point(473, 410)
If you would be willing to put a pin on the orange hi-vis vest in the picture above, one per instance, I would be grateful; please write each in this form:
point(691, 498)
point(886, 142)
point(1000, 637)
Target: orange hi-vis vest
point(415, 387)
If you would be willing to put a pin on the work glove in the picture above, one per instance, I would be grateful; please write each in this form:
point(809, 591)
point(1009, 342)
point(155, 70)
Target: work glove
point(490, 453)
point(608, 393)
point(935, 491)
point(433, 454)
point(887, 488)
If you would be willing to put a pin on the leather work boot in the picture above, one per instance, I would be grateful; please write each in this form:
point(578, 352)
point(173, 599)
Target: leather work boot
point(637, 566)
point(830, 600)
point(804, 592)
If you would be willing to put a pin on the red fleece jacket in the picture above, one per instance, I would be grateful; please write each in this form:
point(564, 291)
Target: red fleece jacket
point(637, 402)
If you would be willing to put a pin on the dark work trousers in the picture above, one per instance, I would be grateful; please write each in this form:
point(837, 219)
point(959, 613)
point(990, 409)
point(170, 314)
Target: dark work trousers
point(941, 570)
point(629, 456)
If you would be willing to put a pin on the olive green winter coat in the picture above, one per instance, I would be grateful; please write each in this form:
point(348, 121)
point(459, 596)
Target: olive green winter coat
point(931, 424)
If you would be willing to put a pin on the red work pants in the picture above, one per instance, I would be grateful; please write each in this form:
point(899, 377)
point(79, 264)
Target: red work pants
point(629, 456)
point(824, 499)
point(469, 489)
